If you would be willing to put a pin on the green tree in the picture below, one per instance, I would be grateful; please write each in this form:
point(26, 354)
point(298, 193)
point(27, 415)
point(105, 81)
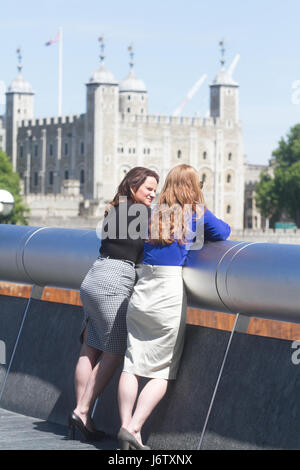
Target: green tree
point(279, 194)
point(10, 181)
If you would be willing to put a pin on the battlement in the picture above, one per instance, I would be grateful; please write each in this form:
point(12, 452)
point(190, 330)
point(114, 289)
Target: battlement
point(48, 121)
point(52, 198)
point(171, 120)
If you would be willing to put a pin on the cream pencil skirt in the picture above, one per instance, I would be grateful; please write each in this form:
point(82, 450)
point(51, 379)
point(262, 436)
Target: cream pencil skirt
point(156, 318)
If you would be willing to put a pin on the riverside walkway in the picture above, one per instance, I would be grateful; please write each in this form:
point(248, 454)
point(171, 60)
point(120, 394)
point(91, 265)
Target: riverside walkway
point(19, 432)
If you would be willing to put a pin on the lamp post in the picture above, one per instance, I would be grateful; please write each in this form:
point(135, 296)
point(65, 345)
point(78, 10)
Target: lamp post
point(7, 203)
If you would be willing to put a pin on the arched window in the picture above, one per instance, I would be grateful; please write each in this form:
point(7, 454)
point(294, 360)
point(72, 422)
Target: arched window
point(81, 176)
point(204, 155)
point(228, 209)
point(230, 156)
point(203, 178)
point(66, 174)
point(228, 178)
point(179, 153)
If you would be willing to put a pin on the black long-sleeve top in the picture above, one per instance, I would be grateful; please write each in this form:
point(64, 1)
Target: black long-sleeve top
point(124, 230)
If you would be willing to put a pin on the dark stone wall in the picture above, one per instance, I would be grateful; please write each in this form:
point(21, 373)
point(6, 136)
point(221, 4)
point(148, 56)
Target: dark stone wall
point(256, 406)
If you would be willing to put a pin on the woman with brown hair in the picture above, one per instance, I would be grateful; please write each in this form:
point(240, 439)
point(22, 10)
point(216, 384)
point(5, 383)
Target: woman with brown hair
point(105, 292)
point(157, 309)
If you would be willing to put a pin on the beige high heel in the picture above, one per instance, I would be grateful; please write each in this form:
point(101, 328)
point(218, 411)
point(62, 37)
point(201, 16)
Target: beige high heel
point(128, 441)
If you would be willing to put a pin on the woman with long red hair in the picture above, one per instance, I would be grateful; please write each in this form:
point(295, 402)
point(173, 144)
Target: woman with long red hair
point(157, 310)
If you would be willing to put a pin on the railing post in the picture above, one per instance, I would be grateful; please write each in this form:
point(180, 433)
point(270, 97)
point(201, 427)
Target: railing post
point(36, 293)
point(241, 326)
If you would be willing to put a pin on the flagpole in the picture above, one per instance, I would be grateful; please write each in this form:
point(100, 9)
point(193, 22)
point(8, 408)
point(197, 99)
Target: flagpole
point(60, 70)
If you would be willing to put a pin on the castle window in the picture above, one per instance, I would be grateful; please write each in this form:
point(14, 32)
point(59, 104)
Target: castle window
point(36, 179)
point(203, 178)
point(66, 149)
point(179, 153)
point(129, 150)
point(36, 150)
point(228, 178)
point(81, 176)
point(82, 148)
point(142, 111)
point(21, 151)
point(129, 97)
point(66, 174)
point(229, 156)
point(142, 97)
point(51, 178)
point(228, 209)
point(204, 155)
point(133, 150)
point(51, 150)
point(128, 110)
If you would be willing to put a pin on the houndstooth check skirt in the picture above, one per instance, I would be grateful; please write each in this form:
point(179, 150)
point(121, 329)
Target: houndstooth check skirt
point(105, 293)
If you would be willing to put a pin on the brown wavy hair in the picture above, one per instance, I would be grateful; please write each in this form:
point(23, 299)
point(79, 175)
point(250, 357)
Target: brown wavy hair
point(130, 184)
point(182, 192)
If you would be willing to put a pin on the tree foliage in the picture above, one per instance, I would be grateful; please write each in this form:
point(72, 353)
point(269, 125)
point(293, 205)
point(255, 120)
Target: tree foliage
point(279, 194)
point(10, 181)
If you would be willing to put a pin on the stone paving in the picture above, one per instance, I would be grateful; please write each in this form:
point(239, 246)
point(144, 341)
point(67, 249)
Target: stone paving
point(19, 432)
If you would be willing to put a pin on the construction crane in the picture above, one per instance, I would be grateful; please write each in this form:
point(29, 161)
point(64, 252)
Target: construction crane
point(233, 65)
point(190, 94)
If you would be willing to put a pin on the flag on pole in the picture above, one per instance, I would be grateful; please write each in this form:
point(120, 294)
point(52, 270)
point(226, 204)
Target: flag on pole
point(53, 41)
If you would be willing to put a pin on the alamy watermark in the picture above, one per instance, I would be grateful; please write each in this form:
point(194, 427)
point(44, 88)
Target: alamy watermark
point(176, 222)
point(296, 354)
point(2, 352)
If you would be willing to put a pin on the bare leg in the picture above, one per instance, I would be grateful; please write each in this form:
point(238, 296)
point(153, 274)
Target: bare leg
point(87, 360)
point(99, 378)
point(127, 393)
point(149, 397)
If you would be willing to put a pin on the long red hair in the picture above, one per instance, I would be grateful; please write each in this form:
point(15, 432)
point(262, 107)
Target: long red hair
point(181, 193)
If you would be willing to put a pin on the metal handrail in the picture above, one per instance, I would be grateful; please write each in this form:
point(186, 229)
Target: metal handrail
point(253, 279)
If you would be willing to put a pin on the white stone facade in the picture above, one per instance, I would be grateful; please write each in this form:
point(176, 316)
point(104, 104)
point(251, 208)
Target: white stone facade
point(2, 134)
point(116, 133)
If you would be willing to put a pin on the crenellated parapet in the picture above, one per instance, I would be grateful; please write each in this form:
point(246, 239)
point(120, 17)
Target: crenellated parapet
point(48, 121)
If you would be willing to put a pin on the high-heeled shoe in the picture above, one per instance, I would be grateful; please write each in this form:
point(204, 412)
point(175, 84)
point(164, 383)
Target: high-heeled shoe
point(76, 423)
point(128, 441)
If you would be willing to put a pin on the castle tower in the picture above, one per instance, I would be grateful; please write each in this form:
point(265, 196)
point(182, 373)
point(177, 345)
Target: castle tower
point(19, 106)
point(229, 154)
point(133, 93)
point(101, 131)
point(224, 95)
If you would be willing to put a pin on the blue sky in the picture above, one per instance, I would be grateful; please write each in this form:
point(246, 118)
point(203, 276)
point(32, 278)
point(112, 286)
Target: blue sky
point(175, 43)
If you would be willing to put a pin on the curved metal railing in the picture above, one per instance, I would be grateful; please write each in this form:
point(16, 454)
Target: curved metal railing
point(253, 279)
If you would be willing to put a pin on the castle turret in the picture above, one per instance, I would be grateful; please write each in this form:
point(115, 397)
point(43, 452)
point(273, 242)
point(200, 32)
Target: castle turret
point(19, 106)
point(101, 130)
point(133, 93)
point(224, 96)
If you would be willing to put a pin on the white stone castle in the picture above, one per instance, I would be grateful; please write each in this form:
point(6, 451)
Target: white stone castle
point(85, 156)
